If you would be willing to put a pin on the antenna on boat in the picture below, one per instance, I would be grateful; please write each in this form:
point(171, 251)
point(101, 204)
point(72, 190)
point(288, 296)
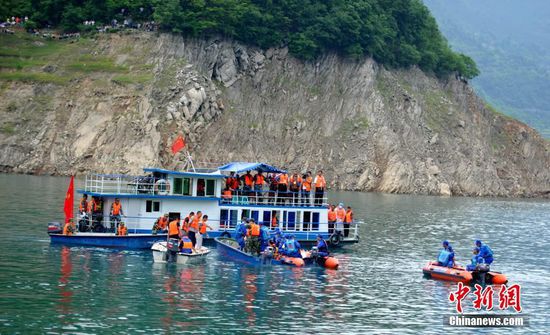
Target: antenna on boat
point(190, 160)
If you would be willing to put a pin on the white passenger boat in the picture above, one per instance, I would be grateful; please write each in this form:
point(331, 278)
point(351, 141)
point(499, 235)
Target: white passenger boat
point(177, 193)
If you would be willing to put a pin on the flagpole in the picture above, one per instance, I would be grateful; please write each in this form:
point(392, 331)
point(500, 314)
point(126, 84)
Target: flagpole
point(190, 159)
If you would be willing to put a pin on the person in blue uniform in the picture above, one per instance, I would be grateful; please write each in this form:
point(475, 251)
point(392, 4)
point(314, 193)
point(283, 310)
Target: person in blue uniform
point(279, 239)
point(446, 255)
point(485, 252)
point(291, 247)
point(476, 260)
point(264, 236)
point(322, 247)
point(240, 233)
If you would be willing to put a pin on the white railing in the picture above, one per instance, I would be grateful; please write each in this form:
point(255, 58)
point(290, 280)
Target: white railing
point(276, 198)
point(123, 184)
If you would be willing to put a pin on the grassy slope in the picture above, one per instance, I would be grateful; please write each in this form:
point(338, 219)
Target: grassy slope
point(34, 59)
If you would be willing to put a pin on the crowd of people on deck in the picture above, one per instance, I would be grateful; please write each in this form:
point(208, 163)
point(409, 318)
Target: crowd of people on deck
point(192, 229)
point(276, 188)
point(482, 254)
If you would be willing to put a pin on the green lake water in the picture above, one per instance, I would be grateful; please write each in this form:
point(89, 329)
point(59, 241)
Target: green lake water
point(379, 287)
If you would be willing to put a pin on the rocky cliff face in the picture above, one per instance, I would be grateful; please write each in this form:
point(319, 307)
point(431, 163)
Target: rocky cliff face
point(368, 128)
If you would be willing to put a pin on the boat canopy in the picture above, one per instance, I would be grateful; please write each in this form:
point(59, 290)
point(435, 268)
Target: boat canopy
point(185, 173)
point(244, 166)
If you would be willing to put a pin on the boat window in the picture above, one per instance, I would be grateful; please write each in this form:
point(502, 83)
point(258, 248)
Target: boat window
point(289, 220)
point(266, 218)
point(315, 221)
point(310, 221)
point(228, 218)
point(182, 186)
point(152, 206)
point(256, 216)
point(306, 221)
point(210, 187)
point(200, 187)
point(245, 214)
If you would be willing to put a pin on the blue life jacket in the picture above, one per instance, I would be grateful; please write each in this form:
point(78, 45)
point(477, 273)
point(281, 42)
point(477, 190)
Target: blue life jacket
point(443, 257)
point(289, 246)
point(240, 231)
point(322, 246)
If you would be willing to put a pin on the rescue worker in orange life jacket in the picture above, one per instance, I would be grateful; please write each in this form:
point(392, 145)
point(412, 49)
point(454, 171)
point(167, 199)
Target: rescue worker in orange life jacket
point(174, 228)
point(122, 230)
point(253, 238)
point(83, 205)
point(295, 184)
point(227, 195)
point(248, 182)
point(69, 228)
point(115, 214)
point(306, 188)
point(347, 221)
point(320, 187)
point(259, 181)
point(160, 224)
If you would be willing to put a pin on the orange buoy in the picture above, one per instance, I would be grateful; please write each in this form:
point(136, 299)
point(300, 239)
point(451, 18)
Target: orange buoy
point(298, 261)
point(331, 263)
point(499, 278)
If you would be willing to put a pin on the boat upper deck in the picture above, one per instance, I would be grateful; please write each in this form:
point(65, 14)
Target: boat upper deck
point(199, 184)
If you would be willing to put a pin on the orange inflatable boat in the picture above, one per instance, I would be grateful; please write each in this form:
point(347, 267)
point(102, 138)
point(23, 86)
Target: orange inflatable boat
point(460, 274)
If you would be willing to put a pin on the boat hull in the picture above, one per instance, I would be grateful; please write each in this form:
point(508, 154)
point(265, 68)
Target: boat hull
point(228, 248)
point(160, 255)
point(131, 241)
point(459, 274)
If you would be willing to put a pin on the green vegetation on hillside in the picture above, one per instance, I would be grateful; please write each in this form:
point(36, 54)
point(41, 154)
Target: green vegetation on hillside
point(28, 58)
point(398, 33)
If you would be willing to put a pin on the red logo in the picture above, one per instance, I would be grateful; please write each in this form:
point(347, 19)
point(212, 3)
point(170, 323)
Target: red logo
point(508, 297)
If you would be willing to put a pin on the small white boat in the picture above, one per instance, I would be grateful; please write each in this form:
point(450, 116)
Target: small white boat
point(161, 254)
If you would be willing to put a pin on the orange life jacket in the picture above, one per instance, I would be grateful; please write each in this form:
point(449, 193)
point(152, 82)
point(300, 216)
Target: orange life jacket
point(94, 206)
point(295, 181)
point(331, 215)
point(283, 179)
point(122, 230)
point(306, 185)
point(173, 228)
point(195, 223)
point(116, 208)
point(162, 222)
point(187, 244)
point(274, 222)
point(254, 230)
point(349, 216)
point(248, 180)
point(226, 194)
point(83, 205)
point(203, 227)
point(340, 213)
point(259, 179)
point(320, 182)
point(230, 182)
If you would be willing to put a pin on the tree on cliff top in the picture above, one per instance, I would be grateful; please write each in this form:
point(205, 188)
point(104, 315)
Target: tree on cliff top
point(397, 33)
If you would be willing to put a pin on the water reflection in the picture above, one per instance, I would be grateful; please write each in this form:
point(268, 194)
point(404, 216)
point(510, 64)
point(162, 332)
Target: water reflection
point(65, 291)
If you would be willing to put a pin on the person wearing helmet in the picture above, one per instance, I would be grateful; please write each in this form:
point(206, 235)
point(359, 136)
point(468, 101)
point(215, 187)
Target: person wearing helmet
point(485, 252)
point(446, 255)
point(476, 260)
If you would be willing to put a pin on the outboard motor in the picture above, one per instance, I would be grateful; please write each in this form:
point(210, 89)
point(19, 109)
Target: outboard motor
point(173, 249)
point(482, 270)
point(55, 228)
point(314, 252)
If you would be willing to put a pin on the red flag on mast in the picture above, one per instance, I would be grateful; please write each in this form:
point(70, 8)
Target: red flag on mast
point(69, 201)
point(178, 144)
